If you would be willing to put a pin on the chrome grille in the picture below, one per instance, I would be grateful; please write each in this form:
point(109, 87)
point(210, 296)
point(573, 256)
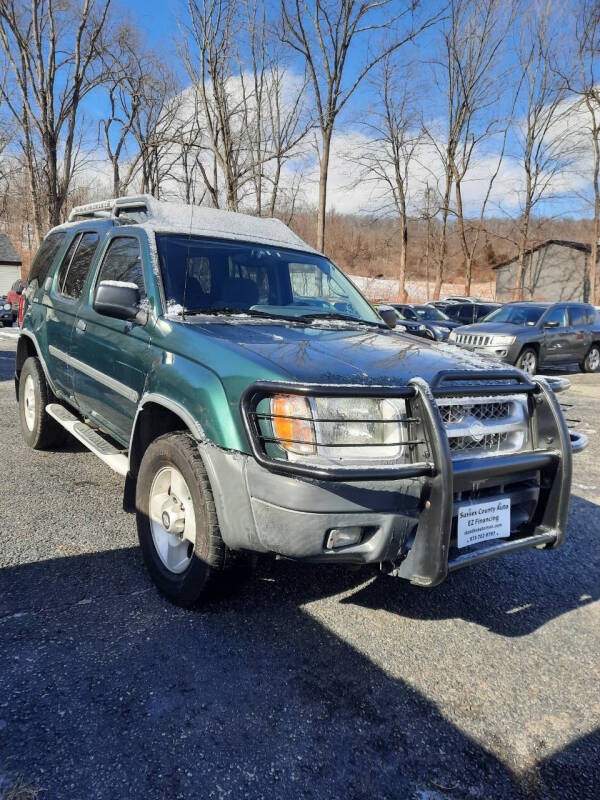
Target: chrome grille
point(473, 339)
point(485, 426)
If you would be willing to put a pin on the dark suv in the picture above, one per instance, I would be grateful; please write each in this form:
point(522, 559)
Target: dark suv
point(254, 402)
point(533, 334)
point(469, 313)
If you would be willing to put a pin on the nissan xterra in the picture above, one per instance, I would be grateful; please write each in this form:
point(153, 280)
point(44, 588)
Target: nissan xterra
point(255, 403)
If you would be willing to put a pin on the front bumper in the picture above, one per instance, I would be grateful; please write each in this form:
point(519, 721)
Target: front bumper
point(408, 521)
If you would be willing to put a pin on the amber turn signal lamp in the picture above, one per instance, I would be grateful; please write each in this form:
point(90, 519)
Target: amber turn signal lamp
point(295, 435)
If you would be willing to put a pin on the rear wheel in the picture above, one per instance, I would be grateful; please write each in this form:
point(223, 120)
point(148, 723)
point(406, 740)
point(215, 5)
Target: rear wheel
point(528, 361)
point(40, 431)
point(176, 520)
point(591, 363)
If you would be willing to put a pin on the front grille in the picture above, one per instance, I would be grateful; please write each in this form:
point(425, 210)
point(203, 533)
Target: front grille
point(467, 444)
point(485, 426)
point(485, 410)
point(473, 339)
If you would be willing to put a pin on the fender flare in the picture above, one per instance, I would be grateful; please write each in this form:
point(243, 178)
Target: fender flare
point(176, 408)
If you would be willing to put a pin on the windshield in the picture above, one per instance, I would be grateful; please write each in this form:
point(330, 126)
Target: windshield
point(214, 276)
point(429, 312)
point(516, 314)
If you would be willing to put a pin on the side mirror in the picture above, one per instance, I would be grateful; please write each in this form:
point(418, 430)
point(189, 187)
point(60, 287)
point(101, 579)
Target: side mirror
point(117, 299)
point(388, 315)
point(554, 323)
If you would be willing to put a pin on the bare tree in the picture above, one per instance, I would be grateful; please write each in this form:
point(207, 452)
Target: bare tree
point(469, 77)
point(209, 54)
point(324, 32)
point(53, 53)
point(153, 130)
point(542, 141)
point(275, 119)
point(393, 137)
point(126, 69)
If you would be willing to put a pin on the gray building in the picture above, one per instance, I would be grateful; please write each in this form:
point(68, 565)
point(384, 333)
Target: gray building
point(10, 265)
point(554, 270)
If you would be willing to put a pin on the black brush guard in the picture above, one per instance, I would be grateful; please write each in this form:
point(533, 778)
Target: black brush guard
point(427, 562)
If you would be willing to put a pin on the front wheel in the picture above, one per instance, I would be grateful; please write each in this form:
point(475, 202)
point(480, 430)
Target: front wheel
point(528, 361)
point(591, 363)
point(40, 431)
point(176, 520)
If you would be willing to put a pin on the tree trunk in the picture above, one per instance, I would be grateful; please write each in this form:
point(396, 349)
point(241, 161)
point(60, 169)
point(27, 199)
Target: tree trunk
point(594, 295)
point(402, 294)
point(518, 289)
point(116, 178)
point(323, 173)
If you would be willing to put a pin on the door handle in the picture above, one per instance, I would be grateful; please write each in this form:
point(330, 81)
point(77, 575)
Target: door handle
point(81, 325)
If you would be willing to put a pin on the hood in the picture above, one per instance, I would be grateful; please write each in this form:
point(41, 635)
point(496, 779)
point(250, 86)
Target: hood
point(337, 354)
point(495, 327)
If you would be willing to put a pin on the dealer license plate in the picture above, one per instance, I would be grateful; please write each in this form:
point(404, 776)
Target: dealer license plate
point(478, 522)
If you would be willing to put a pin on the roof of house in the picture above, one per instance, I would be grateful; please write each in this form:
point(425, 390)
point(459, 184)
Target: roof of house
point(585, 248)
point(8, 254)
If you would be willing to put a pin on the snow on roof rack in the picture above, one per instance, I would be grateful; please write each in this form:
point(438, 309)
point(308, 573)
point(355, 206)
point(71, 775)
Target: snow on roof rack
point(111, 208)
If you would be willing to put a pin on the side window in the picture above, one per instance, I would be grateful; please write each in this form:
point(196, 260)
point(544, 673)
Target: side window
point(45, 256)
point(578, 315)
point(466, 314)
point(591, 316)
point(123, 262)
point(558, 315)
point(66, 263)
point(80, 265)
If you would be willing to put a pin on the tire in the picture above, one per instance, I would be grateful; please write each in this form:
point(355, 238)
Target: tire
point(591, 363)
point(528, 361)
point(40, 431)
point(184, 571)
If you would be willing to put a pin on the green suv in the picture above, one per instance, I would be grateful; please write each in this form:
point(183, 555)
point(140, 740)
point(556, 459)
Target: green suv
point(255, 403)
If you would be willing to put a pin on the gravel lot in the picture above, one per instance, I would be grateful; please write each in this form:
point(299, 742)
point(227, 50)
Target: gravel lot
point(308, 681)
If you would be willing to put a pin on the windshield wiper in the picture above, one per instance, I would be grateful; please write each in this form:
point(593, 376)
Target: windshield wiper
point(340, 316)
point(230, 311)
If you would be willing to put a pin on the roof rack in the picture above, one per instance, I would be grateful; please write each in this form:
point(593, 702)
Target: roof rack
point(116, 207)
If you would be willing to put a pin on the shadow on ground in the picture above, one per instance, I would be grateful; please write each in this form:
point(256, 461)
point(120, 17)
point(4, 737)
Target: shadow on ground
point(109, 692)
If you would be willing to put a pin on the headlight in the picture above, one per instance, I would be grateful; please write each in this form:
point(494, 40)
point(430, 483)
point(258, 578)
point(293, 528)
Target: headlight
point(442, 333)
point(7, 306)
point(339, 428)
point(502, 340)
point(452, 336)
point(400, 327)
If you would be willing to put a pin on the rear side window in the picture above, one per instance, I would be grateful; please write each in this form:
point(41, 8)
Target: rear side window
point(123, 262)
point(80, 265)
point(557, 315)
point(45, 257)
point(466, 314)
point(578, 315)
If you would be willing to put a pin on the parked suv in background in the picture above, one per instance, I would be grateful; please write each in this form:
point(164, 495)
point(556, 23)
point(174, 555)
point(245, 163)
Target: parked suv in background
point(14, 297)
point(6, 316)
point(531, 335)
point(468, 313)
point(433, 323)
point(256, 403)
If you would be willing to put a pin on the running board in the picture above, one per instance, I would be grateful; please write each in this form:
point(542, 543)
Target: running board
point(99, 446)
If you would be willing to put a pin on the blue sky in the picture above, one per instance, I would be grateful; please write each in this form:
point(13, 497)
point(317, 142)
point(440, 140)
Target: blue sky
point(158, 18)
